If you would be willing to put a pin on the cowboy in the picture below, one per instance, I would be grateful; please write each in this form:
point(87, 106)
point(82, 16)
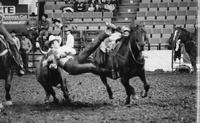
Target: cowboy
point(15, 39)
point(43, 29)
point(110, 43)
point(14, 51)
point(63, 51)
point(70, 38)
point(57, 24)
point(26, 47)
point(77, 63)
point(31, 26)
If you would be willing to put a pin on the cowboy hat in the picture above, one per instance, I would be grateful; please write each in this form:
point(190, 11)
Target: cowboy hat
point(125, 28)
point(33, 14)
point(52, 38)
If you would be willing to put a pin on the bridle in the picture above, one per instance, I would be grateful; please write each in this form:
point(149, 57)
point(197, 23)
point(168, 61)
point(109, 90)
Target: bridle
point(176, 36)
point(132, 54)
point(4, 52)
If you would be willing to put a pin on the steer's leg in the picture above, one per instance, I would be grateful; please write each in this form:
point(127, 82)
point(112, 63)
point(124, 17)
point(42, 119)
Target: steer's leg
point(54, 95)
point(46, 100)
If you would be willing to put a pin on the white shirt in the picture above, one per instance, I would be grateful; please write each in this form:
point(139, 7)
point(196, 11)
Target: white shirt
point(17, 42)
point(110, 42)
point(70, 40)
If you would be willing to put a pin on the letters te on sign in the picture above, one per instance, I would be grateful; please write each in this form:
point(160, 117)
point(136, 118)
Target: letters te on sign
point(7, 10)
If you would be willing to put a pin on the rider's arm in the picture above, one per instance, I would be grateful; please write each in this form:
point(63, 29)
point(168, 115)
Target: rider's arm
point(6, 34)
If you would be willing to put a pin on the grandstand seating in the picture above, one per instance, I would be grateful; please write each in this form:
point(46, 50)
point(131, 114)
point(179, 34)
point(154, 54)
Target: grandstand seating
point(160, 16)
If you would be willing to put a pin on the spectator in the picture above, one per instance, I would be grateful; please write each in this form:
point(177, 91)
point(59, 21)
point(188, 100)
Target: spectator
point(31, 26)
point(109, 7)
point(79, 6)
point(15, 39)
point(26, 47)
point(70, 38)
point(43, 29)
point(91, 7)
point(67, 9)
point(57, 23)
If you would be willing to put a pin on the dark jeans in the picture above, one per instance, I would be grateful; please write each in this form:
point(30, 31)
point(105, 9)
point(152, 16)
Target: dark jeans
point(25, 59)
point(32, 35)
point(77, 65)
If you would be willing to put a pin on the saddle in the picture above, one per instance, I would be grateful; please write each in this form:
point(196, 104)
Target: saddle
point(103, 55)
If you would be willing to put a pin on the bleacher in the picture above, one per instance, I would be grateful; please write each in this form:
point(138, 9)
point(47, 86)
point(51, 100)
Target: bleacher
point(160, 16)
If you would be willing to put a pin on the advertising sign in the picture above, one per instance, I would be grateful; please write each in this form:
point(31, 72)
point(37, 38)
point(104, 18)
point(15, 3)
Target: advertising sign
point(15, 19)
point(7, 10)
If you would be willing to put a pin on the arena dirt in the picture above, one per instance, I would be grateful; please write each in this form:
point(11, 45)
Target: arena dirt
point(172, 98)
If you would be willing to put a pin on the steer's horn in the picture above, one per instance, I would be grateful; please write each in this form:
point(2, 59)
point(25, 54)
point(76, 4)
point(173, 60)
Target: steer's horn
point(40, 49)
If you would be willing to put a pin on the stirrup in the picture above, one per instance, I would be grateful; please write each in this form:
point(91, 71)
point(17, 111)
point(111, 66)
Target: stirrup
point(114, 74)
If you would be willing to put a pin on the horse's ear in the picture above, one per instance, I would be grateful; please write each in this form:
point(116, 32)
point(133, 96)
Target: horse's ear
point(174, 26)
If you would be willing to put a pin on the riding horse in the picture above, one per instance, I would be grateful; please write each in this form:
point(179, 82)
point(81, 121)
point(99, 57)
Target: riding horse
point(6, 68)
point(190, 42)
point(127, 61)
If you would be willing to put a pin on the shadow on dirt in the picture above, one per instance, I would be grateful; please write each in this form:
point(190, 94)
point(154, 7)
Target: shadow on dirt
point(27, 108)
point(187, 87)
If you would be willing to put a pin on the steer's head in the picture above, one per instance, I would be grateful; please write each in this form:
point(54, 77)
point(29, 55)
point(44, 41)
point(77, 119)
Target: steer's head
point(50, 61)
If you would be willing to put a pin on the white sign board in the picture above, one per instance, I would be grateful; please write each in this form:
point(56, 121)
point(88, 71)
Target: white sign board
point(7, 10)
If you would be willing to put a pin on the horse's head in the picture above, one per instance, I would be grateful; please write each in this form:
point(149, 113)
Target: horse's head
point(138, 36)
point(180, 35)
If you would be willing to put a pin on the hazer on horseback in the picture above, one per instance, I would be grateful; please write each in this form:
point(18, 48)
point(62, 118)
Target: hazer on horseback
point(10, 59)
point(183, 38)
point(128, 60)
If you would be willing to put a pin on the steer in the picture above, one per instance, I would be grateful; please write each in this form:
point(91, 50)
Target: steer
point(51, 77)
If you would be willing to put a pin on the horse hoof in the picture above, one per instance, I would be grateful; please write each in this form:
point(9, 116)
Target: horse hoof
point(46, 101)
point(111, 97)
point(128, 101)
point(143, 94)
point(56, 101)
point(1, 106)
point(8, 103)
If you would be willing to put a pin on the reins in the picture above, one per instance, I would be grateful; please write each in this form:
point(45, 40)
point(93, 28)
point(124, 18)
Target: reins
point(133, 56)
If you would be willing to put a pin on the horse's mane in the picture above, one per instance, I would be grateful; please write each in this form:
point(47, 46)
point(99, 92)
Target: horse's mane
point(135, 30)
point(186, 32)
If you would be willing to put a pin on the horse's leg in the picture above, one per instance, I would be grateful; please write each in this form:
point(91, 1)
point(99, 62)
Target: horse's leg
point(146, 85)
point(7, 88)
point(129, 90)
point(108, 88)
point(191, 49)
point(193, 62)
